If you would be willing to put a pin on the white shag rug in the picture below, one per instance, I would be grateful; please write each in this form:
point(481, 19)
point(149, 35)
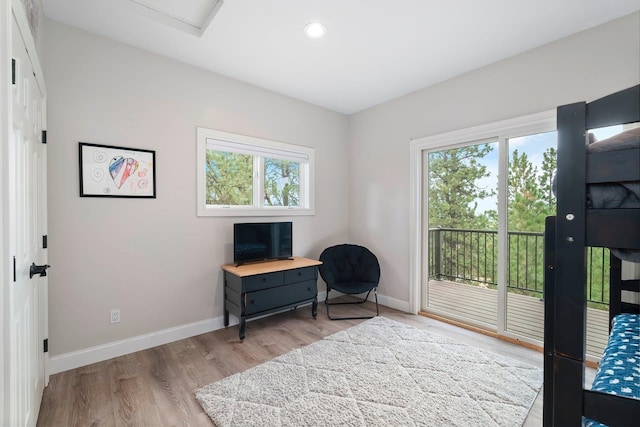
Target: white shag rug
point(378, 373)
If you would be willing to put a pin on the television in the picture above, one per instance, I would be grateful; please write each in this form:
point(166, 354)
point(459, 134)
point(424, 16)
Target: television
point(260, 241)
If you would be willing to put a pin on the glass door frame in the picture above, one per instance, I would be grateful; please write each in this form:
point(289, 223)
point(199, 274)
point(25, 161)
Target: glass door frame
point(499, 131)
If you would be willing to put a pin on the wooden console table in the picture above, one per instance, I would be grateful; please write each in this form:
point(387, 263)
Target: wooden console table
point(261, 288)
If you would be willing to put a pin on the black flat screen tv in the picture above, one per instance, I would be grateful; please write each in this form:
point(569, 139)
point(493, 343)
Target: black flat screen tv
point(260, 241)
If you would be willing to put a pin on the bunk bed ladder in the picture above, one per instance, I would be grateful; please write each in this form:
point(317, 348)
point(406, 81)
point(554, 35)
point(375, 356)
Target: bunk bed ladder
point(569, 295)
point(549, 325)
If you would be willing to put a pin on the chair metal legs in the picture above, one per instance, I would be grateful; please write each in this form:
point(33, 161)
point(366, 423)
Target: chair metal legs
point(375, 293)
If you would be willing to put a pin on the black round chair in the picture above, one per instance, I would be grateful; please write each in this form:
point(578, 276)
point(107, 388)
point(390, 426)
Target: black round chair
point(350, 269)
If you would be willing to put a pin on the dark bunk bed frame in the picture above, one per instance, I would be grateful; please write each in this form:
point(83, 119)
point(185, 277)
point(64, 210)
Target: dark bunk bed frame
point(566, 237)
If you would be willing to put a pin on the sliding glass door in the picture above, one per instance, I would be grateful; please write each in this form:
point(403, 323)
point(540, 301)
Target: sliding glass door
point(461, 189)
point(485, 203)
point(482, 195)
point(530, 199)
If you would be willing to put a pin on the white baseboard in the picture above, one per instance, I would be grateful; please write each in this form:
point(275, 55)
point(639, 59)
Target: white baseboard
point(393, 303)
point(87, 356)
point(99, 353)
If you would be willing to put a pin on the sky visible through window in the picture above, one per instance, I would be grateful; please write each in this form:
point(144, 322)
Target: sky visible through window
point(531, 145)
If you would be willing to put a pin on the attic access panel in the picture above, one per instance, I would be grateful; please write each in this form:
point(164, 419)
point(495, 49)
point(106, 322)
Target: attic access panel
point(191, 16)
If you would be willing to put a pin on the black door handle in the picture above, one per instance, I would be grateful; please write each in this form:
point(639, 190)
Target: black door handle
point(38, 269)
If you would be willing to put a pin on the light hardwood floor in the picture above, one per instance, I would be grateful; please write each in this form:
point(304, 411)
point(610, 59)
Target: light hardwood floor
point(155, 387)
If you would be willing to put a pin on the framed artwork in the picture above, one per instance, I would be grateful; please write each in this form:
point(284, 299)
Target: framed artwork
point(108, 171)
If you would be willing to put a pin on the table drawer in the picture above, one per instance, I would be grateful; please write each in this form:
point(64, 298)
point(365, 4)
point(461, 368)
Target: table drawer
point(263, 281)
point(281, 296)
point(300, 274)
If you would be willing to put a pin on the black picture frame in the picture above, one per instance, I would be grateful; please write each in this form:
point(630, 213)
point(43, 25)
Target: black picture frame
point(112, 171)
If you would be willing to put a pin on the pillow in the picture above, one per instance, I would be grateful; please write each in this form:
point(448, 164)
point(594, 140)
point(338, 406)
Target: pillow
point(621, 141)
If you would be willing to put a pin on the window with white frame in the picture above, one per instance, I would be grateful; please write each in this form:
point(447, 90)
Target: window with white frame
point(239, 175)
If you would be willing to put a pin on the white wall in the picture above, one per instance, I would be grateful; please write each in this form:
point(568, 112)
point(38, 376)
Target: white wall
point(579, 68)
point(153, 258)
point(159, 263)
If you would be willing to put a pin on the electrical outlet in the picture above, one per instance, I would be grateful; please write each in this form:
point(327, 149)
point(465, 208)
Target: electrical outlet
point(115, 315)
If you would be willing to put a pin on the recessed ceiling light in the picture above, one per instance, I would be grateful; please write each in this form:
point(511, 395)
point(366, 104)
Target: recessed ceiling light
point(315, 30)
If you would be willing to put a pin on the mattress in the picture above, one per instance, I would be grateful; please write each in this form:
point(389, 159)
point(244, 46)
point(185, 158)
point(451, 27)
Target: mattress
point(619, 369)
point(622, 195)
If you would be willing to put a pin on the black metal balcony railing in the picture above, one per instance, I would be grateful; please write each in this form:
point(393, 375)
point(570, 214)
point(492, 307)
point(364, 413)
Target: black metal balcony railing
point(471, 256)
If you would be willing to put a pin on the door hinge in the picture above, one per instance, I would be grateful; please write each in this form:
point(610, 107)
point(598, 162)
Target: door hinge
point(44, 136)
point(44, 242)
point(46, 345)
point(13, 71)
point(14, 269)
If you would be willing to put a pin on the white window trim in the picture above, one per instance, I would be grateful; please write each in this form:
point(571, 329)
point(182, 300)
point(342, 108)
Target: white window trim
point(519, 126)
point(256, 147)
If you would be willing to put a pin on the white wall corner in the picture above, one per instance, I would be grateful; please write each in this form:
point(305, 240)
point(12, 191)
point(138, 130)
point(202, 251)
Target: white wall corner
point(395, 303)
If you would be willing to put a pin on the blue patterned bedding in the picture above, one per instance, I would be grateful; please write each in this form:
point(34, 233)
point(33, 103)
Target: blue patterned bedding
point(619, 370)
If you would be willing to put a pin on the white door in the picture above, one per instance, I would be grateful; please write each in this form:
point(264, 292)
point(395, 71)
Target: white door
point(27, 303)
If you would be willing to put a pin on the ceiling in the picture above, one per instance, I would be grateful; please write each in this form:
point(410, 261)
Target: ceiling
point(373, 51)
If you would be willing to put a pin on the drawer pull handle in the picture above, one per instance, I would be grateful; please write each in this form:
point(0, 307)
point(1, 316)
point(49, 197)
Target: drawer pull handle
point(299, 273)
point(264, 279)
point(253, 301)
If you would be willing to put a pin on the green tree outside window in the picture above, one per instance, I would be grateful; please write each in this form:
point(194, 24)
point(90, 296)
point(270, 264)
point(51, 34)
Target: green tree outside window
point(281, 182)
point(229, 178)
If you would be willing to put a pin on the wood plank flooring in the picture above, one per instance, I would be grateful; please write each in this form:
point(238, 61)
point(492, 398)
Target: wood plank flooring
point(155, 387)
